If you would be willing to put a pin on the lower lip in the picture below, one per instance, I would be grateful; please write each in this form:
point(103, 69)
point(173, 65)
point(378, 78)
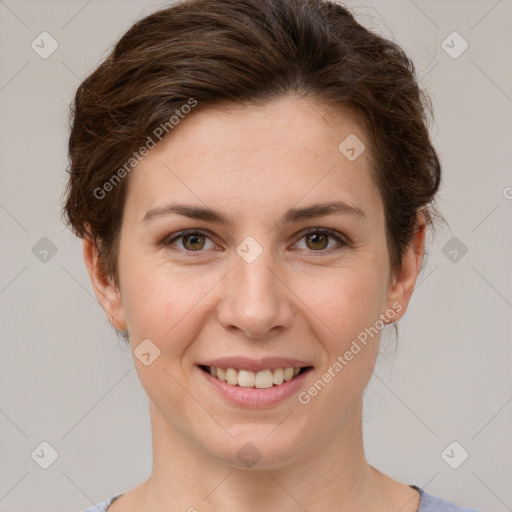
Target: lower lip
point(254, 397)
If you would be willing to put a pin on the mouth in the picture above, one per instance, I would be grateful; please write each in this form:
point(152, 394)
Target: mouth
point(261, 379)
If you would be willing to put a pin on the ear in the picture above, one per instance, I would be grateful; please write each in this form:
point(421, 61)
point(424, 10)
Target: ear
point(104, 287)
point(403, 284)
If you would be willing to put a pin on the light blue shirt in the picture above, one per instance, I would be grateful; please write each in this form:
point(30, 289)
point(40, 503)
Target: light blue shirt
point(428, 503)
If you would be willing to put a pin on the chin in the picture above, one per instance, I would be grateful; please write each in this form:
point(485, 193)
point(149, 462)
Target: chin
point(256, 449)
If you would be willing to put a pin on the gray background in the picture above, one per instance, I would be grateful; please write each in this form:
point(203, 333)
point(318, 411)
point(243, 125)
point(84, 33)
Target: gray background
point(65, 379)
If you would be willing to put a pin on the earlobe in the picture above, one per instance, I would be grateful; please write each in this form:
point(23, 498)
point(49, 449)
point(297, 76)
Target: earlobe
point(104, 288)
point(405, 281)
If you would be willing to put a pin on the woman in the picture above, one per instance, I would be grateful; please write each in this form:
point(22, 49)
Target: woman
point(253, 182)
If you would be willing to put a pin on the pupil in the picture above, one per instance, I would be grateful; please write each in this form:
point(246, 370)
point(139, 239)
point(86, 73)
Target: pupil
point(194, 239)
point(317, 237)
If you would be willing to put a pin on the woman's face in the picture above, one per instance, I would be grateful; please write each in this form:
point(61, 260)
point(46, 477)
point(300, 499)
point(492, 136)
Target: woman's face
point(255, 291)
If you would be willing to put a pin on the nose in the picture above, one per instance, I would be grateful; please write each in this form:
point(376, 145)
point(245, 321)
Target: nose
point(255, 298)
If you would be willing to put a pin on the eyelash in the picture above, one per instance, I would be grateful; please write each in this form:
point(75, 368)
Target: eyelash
point(324, 231)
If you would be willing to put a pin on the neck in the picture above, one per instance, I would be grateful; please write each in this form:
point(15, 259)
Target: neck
point(333, 476)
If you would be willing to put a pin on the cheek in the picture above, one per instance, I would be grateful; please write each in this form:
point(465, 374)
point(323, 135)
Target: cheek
point(345, 300)
point(164, 303)
point(168, 307)
point(350, 305)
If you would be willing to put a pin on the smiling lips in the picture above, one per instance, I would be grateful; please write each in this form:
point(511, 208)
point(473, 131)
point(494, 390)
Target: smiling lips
point(248, 379)
point(250, 373)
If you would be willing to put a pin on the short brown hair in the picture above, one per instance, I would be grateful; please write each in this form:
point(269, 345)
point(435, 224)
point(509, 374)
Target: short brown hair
point(248, 52)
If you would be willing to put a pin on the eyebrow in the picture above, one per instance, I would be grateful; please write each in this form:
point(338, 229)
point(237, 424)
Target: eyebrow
point(292, 215)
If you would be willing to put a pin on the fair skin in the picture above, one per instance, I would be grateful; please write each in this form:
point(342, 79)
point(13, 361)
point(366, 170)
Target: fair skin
point(304, 298)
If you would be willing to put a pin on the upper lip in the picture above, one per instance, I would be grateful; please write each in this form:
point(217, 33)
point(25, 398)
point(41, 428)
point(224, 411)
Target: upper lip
point(255, 365)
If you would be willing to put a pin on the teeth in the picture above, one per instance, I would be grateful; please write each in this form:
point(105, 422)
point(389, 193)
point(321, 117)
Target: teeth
point(248, 379)
point(288, 374)
point(264, 379)
point(232, 376)
point(278, 377)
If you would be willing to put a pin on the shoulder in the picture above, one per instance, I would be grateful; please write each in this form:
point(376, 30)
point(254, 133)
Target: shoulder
point(101, 507)
point(429, 503)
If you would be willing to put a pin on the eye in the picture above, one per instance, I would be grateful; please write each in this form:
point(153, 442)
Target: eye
point(317, 239)
point(191, 241)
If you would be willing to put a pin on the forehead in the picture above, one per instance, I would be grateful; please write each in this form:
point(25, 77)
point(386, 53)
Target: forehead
point(251, 161)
